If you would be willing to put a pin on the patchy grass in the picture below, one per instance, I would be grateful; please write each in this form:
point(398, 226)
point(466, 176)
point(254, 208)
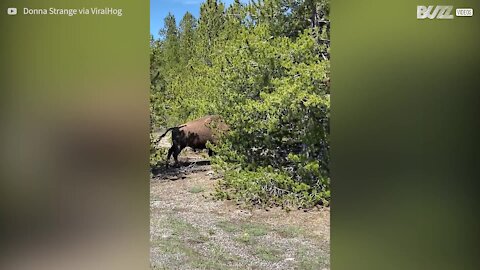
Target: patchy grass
point(182, 244)
point(290, 231)
point(310, 259)
point(246, 239)
point(186, 245)
point(244, 232)
point(228, 226)
point(268, 254)
point(196, 189)
point(258, 229)
point(177, 247)
point(253, 229)
point(180, 226)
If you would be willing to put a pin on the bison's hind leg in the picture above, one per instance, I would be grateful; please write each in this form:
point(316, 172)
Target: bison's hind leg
point(210, 152)
point(170, 152)
point(176, 152)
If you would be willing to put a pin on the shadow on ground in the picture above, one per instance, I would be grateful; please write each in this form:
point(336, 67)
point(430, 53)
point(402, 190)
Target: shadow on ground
point(180, 170)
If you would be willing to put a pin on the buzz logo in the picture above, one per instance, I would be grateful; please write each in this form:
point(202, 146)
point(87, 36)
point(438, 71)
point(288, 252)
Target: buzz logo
point(434, 12)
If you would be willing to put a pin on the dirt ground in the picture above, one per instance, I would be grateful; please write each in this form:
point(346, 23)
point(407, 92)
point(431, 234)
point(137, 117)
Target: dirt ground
point(190, 230)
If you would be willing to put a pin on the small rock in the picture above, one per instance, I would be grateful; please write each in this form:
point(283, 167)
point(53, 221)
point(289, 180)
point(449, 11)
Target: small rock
point(155, 204)
point(240, 214)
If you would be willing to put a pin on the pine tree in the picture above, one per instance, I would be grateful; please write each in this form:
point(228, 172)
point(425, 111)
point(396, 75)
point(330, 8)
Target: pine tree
point(170, 42)
point(187, 37)
point(210, 25)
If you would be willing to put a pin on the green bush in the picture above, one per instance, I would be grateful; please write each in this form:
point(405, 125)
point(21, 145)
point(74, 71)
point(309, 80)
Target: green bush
point(157, 154)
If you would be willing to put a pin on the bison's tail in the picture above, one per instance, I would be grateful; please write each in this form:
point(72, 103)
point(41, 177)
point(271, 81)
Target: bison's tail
point(163, 135)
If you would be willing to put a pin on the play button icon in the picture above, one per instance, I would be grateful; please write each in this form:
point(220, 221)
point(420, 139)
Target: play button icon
point(11, 11)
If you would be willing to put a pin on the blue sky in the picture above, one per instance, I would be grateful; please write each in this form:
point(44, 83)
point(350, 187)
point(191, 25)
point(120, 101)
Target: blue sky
point(159, 9)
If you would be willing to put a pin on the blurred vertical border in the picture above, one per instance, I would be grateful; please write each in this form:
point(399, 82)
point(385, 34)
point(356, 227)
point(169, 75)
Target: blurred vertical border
point(74, 137)
point(405, 108)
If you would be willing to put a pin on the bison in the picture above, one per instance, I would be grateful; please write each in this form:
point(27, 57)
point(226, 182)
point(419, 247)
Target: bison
point(196, 134)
